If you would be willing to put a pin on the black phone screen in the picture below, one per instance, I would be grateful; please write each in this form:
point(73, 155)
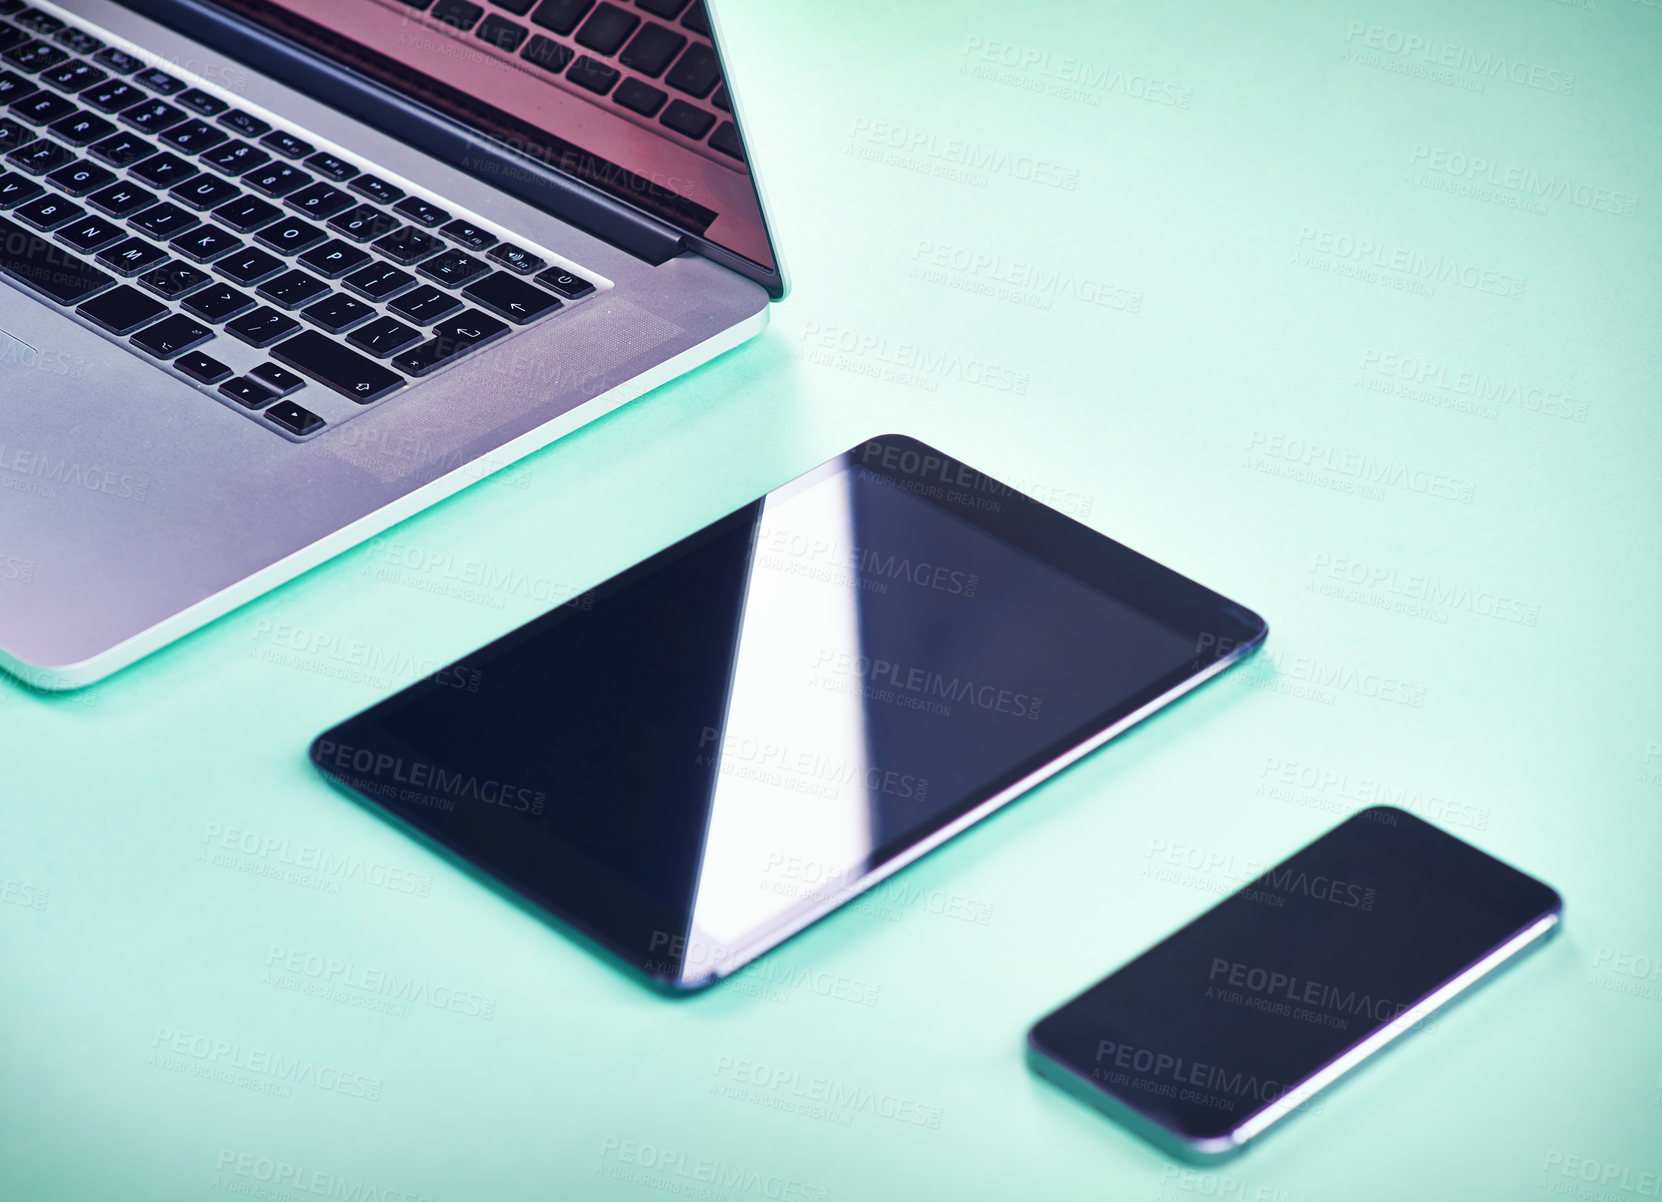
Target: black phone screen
point(1231, 1014)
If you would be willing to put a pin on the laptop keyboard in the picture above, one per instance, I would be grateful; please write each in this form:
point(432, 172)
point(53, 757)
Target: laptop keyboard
point(277, 273)
point(652, 62)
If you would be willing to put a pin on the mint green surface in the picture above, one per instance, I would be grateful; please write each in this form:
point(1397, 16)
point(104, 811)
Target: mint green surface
point(1230, 287)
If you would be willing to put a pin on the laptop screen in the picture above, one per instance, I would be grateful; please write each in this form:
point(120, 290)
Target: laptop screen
point(627, 96)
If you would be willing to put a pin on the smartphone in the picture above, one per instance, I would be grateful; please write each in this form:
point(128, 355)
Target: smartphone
point(1242, 1017)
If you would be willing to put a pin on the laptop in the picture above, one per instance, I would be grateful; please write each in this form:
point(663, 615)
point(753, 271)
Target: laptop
point(277, 274)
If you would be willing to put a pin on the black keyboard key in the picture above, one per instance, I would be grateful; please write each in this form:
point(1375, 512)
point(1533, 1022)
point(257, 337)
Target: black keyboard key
point(722, 100)
point(379, 281)
point(651, 50)
point(697, 19)
point(164, 170)
point(74, 76)
point(408, 245)
point(132, 257)
point(48, 212)
point(364, 223)
point(198, 101)
point(122, 310)
point(639, 97)
point(688, 120)
point(279, 179)
point(384, 336)
point(246, 393)
point(78, 40)
point(662, 8)
point(43, 108)
point(290, 236)
point(122, 200)
point(287, 145)
point(194, 136)
point(81, 177)
point(13, 135)
point(319, 202)
point(460, 335)
point(218, 303)
point(14, 87)
point(425, 305)
point(337, 313)
point(696, 73)
point(511, 297)
point(42, 156)
point(119, 61)
point(452, 269)
point(37, 56)
point(247, 213)
point(89, 234)
point(420, 212)
point(335, 366)
point(468, 234)
point(561, 16)
point(205, 244)
point(15, 189)
point(518, 7)
point(262, 327)
point(280, 380)
point(122, 150)
point(558, 279)
point(516, 259)
point(726, 140)
point(171, 336)
point(173, 279)
point(79, 128)
point(111, 97)
point(294, 418)
point(593, 74)
point(329, 165)
point(201, 368)
point(607, 29)
point(11, 36)
point(458, 14)
point(249, 266)
point(152, 116)
point(502, 33)
point(160, 81)
point(377, 189)
point(293, 289)
point(44, 24)
point(235, 158)
point(334, 259)
point(166, 220)
point(205, 192)
point(246, 124)
point(49, 269)
point(548, 54)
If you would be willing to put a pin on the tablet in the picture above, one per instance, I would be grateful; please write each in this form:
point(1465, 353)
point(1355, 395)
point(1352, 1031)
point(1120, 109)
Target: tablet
point(720, 745)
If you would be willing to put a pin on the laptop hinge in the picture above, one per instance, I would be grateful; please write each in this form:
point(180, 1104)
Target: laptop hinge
point(379, 106)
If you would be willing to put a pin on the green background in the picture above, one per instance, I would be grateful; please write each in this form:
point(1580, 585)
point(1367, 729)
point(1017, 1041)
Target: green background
point(1144, 295)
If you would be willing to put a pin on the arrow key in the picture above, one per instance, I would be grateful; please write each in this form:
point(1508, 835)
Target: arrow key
point(509, 296)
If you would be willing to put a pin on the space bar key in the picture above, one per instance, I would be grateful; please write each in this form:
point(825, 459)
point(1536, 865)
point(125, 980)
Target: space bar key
point(334, 366)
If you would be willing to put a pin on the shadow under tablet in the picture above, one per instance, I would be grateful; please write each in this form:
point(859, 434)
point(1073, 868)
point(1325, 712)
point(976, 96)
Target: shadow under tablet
point(728, 740)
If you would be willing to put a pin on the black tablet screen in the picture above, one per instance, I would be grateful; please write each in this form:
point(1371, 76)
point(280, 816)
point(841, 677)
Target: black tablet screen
point(705, 748)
